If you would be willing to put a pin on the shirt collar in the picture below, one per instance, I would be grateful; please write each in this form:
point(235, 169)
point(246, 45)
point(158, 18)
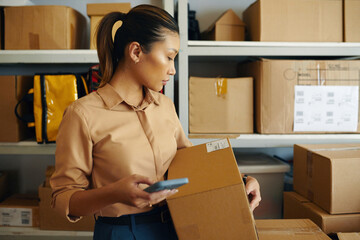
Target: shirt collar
point(112, 98)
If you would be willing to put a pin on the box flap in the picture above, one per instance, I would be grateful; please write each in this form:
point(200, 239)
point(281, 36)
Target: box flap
point(100, 9)
point(289, 229)
point(229, 18)
point(349, 236)
point(213, 166)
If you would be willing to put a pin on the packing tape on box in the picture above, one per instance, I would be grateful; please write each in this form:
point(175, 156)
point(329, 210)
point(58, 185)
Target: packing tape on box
point(221, 87)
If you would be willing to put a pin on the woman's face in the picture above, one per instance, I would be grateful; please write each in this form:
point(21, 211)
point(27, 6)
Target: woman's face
point(155, 67)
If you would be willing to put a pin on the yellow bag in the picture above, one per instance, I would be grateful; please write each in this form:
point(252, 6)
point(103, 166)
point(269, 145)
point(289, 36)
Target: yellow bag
point(52, 94)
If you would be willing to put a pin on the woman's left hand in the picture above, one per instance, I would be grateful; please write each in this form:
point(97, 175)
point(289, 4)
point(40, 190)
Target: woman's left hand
point(252, 189)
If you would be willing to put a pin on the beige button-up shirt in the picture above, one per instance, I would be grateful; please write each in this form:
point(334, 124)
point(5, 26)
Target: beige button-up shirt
point(102, 138)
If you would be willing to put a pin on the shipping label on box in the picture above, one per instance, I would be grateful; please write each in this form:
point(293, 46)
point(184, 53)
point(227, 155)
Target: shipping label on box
point(21, 217)
point(326, 108)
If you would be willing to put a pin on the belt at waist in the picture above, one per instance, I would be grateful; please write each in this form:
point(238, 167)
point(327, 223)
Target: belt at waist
point(160, 214)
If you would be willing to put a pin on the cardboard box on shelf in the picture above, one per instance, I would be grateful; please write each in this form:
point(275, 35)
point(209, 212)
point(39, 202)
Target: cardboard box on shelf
point(96, 11)
point(228, 27)
point(351, 21)
point(214, 204)
point(328, 175)
point(13, 88)
point(20, 210)
point(275, 81)
point(44, 27)
point(289, 229)
point(220, 105)
point(349, 236)
point(296, 206)
point(295, 21)
point(50, 219)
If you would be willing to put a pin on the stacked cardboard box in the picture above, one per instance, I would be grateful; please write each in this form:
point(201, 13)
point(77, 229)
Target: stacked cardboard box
point(326, 182)
point(220, 105)
point(20, 210)
point(96, 11)
point(295, 21)
point(275, 82)
point(351, 21)
point(44, 27)
point(13, 88)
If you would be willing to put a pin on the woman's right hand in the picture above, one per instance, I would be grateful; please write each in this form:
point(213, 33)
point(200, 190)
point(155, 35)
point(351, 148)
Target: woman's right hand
point(127, 191)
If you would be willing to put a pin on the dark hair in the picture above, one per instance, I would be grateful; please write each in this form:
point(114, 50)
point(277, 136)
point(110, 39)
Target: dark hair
point(144, 24)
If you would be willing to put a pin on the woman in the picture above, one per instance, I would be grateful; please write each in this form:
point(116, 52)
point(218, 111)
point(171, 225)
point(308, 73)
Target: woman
point(115, 142)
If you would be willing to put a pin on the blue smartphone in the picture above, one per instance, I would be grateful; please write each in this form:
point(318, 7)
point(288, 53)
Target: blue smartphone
point(167, 184)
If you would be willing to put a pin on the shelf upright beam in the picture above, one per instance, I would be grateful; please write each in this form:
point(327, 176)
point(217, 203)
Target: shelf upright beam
point(168, 5)
point(183, 65)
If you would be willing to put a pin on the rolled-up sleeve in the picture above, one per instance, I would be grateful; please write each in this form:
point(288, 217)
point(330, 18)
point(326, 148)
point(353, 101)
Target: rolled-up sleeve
point(73, 160)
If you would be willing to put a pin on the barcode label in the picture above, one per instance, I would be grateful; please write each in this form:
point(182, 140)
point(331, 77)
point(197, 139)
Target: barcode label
point(15, 217)
point(217, 145)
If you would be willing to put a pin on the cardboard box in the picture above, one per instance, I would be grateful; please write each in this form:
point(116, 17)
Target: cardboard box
point(20, 210)
point(228, 27)
point(275, 82)
point(50, 219)
point(44, 27)
point(220, 105)
point(96, 11)
point(296, 206)
point(294, 229)
point(328, 175)
point(295, 21)
point(351, 20)
point(214, 204)
point(48, 173)
point(13, 88)
point(349, 236)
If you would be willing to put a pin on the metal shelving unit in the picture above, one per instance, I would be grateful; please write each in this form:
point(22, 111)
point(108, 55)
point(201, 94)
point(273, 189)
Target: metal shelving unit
point(223, 51)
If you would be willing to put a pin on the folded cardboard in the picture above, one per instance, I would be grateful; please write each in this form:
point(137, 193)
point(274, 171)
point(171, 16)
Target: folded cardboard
point(214, 204)
point(296, 206)
point(13, 88)
point(289, 229)
point(349, 236)
point(275, 82)
point(96, 11)
point(220, 105)
point(44, 27)
point(20, 210)
point(295, 20)
point(351, 21)
point(228, 27)
point(328, 175)
point(50, 219)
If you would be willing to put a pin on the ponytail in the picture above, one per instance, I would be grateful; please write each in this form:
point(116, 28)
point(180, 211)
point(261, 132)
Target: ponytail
point(105, 45)
point(144, 24)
